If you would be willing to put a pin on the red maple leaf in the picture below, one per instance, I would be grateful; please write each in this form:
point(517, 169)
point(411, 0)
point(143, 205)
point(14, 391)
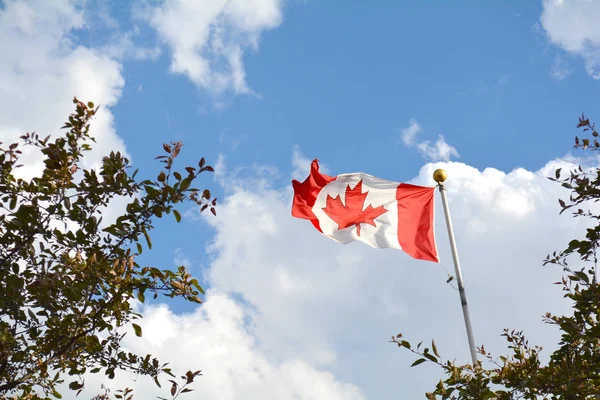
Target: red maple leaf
point(352, 213)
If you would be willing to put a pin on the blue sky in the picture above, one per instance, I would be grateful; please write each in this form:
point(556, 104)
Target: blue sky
point(342, 83)
point(362, 87)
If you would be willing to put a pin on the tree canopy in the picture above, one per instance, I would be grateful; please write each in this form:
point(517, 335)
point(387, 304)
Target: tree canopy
point(68, 277)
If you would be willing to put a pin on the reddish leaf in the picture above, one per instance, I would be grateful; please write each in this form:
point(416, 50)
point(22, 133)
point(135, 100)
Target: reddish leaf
point(352, 212)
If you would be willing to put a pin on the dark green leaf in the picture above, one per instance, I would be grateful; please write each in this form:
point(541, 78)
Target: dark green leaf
point(148, 240)
point(137, 329)
point(419, 361)
point(185, 184)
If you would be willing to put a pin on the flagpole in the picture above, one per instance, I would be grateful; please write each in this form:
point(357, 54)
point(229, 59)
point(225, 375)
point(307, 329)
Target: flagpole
point(440, 176)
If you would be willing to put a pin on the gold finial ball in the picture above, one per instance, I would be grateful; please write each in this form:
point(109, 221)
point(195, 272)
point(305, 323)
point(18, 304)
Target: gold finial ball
point(439, 175)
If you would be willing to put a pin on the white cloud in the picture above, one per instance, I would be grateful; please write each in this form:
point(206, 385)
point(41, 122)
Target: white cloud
point(315, 316)
point(42, 69)
point(123, 45)
point(179, 259)
point(438, 151)
point(216, 339)
point(573, 26)
point(208, 39)
point(334, 306)
point(410, 132)
point(560, 69)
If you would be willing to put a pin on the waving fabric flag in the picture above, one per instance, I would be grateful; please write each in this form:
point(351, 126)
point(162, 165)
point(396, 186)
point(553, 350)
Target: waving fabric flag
point(380, 213)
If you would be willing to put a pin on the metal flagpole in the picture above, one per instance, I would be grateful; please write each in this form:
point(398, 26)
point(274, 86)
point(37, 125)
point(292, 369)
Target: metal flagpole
point(440, 176)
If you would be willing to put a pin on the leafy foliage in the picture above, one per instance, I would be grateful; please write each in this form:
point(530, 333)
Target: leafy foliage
point(68, 280)
point(573, 371)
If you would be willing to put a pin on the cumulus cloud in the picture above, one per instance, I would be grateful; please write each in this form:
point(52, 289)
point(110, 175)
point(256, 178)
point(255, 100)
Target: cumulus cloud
point(438, 151)
point(573, 26)
point(333, 307)
point(42, 68)
point(216, 339)
point(208, 39)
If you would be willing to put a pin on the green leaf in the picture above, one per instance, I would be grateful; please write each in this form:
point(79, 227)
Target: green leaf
point(75, 385)
point(141, 296)
point(139, 248)
point(185, 184)
point(419, 361)
point(434, 348)
point(194, 283)
point(177, 215)
point(151, 191)
point(148, 240)
point(31, 315)
point(56, 394)
point(137, 329)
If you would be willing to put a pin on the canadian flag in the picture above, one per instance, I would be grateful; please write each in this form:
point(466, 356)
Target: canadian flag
point(380, 213)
